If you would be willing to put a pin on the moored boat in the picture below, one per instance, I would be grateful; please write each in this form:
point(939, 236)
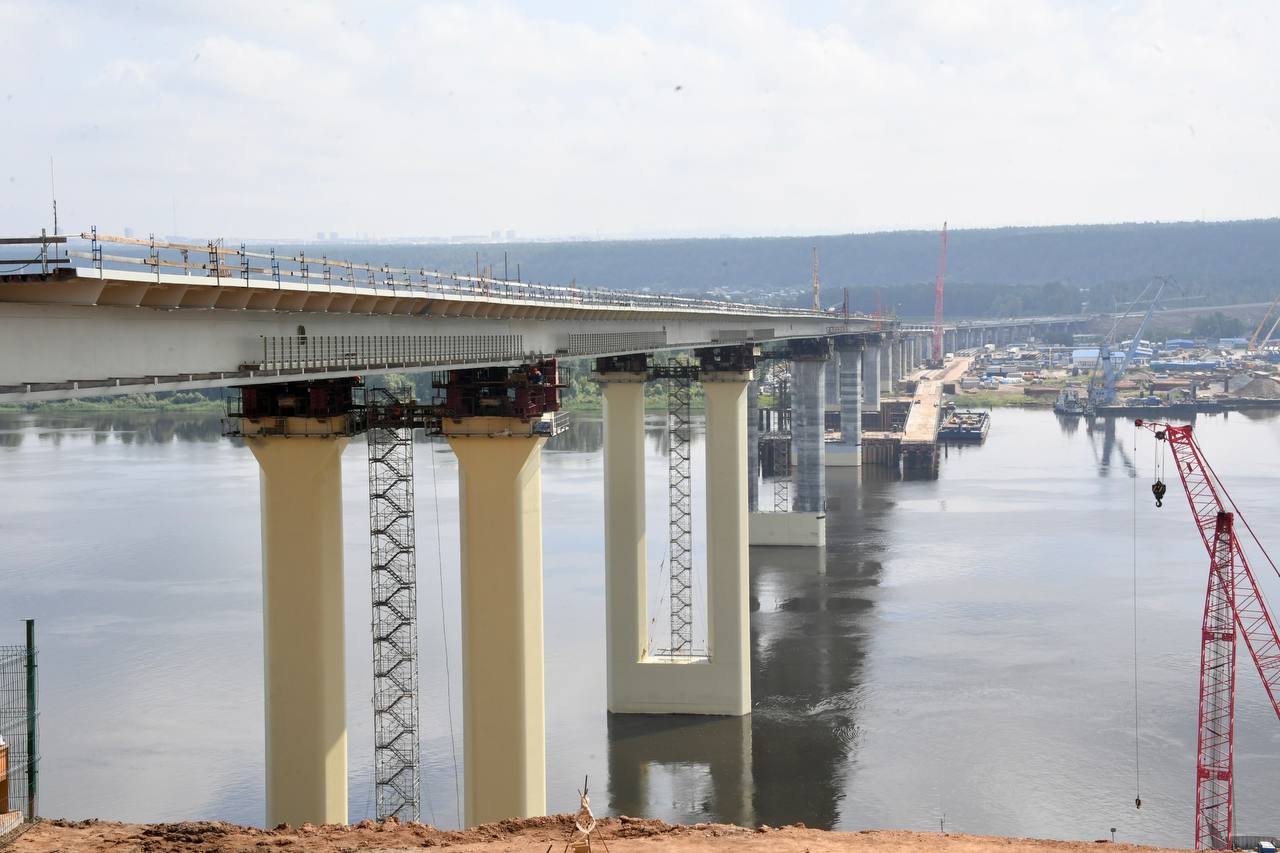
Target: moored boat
point(965, 426)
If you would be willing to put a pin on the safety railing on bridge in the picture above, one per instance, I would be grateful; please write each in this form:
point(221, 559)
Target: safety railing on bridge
point(312, 353)
point(44, 259)
point(214, 259)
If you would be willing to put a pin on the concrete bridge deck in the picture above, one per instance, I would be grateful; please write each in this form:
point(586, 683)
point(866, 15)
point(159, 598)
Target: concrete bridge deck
point(116, 324)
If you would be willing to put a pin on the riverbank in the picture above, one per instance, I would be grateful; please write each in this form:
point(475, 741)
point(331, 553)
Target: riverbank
point(177, 402)
point(535, 834)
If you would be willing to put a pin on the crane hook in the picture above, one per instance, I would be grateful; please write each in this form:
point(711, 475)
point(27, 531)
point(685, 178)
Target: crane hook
point(1137, 803)
point(1158, 489)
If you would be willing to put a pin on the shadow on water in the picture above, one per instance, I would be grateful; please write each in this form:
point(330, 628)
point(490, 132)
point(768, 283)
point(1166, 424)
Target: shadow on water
point(812, 611)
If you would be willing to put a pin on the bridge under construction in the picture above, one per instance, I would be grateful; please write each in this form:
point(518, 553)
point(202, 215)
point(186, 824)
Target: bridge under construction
point(302, 341)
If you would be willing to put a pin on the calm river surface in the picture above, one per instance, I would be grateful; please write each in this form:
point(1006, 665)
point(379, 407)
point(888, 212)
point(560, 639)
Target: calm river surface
point(964, 647)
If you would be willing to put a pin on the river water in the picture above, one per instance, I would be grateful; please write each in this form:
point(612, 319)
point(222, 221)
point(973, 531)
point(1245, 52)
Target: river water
point(961, 652)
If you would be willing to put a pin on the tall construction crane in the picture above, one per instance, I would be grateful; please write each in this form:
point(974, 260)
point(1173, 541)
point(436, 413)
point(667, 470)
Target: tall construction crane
point(1102, 388)
point(937, 301)
point(1253, 341)
point(1233, 608)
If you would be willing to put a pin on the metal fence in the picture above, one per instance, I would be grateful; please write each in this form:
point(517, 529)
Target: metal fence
point(19, 723)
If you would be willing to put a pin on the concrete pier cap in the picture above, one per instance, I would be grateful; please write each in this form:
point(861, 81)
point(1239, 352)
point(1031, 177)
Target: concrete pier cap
point(640, 682)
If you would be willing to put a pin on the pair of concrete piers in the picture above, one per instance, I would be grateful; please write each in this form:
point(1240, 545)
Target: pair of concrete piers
point(299, 447)
point(500, 489)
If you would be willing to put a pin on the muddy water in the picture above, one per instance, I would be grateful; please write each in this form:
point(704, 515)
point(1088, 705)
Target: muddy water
point(961, 652)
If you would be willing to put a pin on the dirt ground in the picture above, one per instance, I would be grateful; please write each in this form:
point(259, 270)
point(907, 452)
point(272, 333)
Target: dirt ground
point(620, 835)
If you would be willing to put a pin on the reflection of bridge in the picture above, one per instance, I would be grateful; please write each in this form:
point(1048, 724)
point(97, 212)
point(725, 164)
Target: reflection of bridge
point(296, 333)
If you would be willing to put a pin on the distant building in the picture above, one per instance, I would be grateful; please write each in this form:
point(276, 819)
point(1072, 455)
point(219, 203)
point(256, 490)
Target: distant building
point(333, 235)
point(1179, 343)
point(1088, 357)
point(1233, 343)
point(128, 232)
point(511, 235)
point(319, 235)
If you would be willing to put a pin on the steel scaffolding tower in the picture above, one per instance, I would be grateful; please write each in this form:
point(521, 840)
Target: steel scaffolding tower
point(680, 558)
point(397, 779)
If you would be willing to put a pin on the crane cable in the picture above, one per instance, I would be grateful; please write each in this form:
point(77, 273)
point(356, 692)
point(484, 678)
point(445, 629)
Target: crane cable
point(1137, 758)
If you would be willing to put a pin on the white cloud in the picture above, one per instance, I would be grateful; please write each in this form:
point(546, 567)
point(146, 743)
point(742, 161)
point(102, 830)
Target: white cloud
point(702, 117)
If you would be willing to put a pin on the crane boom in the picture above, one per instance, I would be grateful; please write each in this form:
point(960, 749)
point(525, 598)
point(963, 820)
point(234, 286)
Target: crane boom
point(1253, 342)
point(1104, 393)
point(1233, 597)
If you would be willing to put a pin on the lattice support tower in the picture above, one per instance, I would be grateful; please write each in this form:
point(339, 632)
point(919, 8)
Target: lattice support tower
point(397, 774)
point(1217, 695)
point(680, 524)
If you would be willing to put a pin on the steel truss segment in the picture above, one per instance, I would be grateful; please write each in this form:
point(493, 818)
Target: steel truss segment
point(1217, 695)
point(1252, 617)
point(680, 524)
point(393, 564)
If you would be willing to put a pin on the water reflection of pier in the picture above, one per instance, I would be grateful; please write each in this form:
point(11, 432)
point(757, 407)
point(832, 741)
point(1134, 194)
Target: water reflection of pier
point(812, 610)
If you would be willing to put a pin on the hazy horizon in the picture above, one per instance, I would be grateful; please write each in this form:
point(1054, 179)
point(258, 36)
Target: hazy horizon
point(635, 121)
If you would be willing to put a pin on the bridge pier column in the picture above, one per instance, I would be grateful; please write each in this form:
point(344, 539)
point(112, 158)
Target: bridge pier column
point(848, 452)
point(639, 682)
point(831, 389)
point(296, 432)
point(886, 363)
point(753, 446)
point(302, 619)
point(871, 376)
point(500, 516)
point(807, 433)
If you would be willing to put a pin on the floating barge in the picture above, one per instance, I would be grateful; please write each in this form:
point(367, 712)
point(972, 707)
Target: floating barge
point(965, 426)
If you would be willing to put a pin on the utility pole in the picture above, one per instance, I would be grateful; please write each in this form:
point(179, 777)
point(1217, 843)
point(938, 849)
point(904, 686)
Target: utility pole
point(32, 760)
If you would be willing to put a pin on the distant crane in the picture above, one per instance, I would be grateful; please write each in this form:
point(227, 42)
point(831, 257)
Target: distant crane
point(1233, 608)
point(1102, 389)
point(1254, 345)
point(937, 300)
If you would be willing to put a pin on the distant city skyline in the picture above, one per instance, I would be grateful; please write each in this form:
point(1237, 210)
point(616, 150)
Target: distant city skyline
point(611, 121)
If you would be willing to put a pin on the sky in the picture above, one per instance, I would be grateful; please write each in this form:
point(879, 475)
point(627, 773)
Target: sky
point(254, 118)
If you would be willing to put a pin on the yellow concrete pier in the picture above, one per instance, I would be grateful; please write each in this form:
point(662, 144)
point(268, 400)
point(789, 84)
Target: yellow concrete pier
point(500, 497)
point(305, 673)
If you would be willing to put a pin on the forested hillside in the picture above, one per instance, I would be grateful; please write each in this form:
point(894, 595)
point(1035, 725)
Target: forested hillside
point(991, 272)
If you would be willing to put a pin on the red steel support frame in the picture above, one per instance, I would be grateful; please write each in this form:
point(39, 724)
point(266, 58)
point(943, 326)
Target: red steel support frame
point(1217, 695)
point(1242, 600)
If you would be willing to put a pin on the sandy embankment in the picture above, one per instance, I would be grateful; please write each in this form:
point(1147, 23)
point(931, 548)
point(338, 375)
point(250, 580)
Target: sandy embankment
point(536, 834)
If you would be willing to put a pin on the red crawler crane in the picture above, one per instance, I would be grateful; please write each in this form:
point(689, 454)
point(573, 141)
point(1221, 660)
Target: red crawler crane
point(1233, 608)
point(937, 300)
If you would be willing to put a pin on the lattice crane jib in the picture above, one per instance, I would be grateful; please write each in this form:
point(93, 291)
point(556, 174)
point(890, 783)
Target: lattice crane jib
point(1217, 695)
point(397, 775)
point(1234, 608)
point(680, 524)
